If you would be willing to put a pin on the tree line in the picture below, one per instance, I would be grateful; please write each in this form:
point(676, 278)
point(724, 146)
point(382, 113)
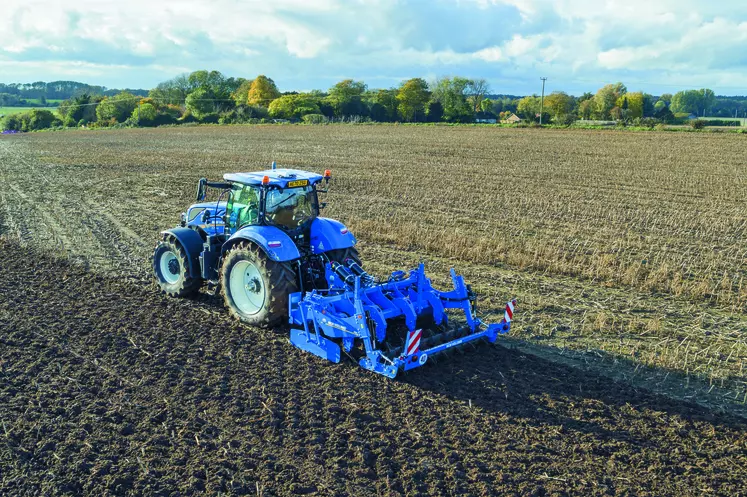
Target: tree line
point(211, 97)
point(58, 90)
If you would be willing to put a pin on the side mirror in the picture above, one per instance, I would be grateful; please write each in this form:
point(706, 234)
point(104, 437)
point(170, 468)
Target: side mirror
point(205, 215)
point(201, 189)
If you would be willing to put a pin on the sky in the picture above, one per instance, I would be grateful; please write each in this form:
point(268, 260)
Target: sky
point(658, 46)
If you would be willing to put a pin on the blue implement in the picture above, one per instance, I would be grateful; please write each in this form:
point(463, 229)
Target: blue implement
point(356, 307)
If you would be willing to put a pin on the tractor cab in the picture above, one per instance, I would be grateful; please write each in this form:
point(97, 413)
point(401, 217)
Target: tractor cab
point(286, 198)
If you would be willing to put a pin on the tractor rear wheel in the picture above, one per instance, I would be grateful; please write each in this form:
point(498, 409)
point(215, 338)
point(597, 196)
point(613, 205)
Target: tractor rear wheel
point(171, 269)
point(255, 288)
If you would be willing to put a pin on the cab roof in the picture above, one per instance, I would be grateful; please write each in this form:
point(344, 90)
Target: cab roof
point(278, 177)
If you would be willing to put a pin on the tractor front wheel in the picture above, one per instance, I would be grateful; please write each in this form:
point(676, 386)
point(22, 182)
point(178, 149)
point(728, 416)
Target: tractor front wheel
point(171, 269)
point(255, 288)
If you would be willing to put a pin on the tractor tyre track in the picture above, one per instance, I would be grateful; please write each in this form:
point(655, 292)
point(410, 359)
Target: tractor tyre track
point(71, 223)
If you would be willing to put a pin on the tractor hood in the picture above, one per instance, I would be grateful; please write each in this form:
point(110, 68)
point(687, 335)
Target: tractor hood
point(214, 224)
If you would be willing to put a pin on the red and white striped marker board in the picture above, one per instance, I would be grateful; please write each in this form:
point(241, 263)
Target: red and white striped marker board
point(509, 314)
point(413, 342)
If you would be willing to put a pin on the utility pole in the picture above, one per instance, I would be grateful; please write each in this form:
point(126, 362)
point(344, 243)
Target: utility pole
point(542, 100)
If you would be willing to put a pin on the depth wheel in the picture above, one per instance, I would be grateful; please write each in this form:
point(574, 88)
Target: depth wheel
point(171, 269)
point(255, 288)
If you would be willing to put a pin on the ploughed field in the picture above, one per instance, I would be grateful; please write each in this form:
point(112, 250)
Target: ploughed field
point(624, 373)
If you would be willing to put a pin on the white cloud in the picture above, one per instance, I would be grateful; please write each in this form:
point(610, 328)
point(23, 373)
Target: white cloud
point(490, 54)
point(622, 58)
point(307, 43)
point(520, 45)
point(143, 26)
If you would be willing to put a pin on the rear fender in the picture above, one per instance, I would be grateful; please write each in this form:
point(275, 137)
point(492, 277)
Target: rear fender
point(328, 234)
point(272, 240)
point(191, 241)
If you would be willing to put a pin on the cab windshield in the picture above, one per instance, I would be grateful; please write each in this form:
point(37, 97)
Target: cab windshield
point(291, 207)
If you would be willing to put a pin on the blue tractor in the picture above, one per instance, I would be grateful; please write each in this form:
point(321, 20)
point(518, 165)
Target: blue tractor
point(275, 259)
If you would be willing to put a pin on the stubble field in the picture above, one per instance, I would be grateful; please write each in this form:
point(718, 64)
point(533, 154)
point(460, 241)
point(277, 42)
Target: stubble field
point(624, 373)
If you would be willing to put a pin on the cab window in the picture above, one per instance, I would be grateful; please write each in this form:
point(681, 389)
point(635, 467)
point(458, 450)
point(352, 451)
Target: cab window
point(243, 206)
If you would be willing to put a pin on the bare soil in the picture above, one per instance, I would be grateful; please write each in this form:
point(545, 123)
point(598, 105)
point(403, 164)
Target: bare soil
point(107, 387)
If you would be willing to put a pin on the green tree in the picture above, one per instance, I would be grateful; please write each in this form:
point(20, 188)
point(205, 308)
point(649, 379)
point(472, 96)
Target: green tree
point(382, 104)
point(487, 106)
point(434, 111)
point(201, 102)
point(708, 99)
point(648, 105)
point(606, 99)
point(262, 91)
point(216, 84)
point(41, 119)
point(33, 120)
point(693, 101)
point(80, 108)
point(664, 115)
point(659, 105)
point(685, 102)
point(452, 94)
point(412, 97)
point(119, 107)
point(347, 89)
point(241, 94)
point(173, 91)
point(631, 104)
point(145, 114)
point(346, 98)
point(198, 79)
point(559, 105)
point(529, 108)
point(12, 122)
point(477, 89)
point(294, 106)
point(586, 108)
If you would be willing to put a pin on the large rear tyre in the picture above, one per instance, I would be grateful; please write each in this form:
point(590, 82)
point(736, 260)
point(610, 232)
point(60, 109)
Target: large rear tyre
point(171, 269)
point(255, 288)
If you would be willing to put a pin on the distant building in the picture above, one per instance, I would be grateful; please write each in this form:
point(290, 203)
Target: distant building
point(486, 121)
point(512, 119)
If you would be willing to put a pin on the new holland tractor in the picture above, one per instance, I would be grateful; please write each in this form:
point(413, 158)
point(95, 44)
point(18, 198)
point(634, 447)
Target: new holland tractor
point(274, 259)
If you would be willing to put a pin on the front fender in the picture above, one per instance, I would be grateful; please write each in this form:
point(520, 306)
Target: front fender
point(191, 241)
point(275, 242)
point(328, 234)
